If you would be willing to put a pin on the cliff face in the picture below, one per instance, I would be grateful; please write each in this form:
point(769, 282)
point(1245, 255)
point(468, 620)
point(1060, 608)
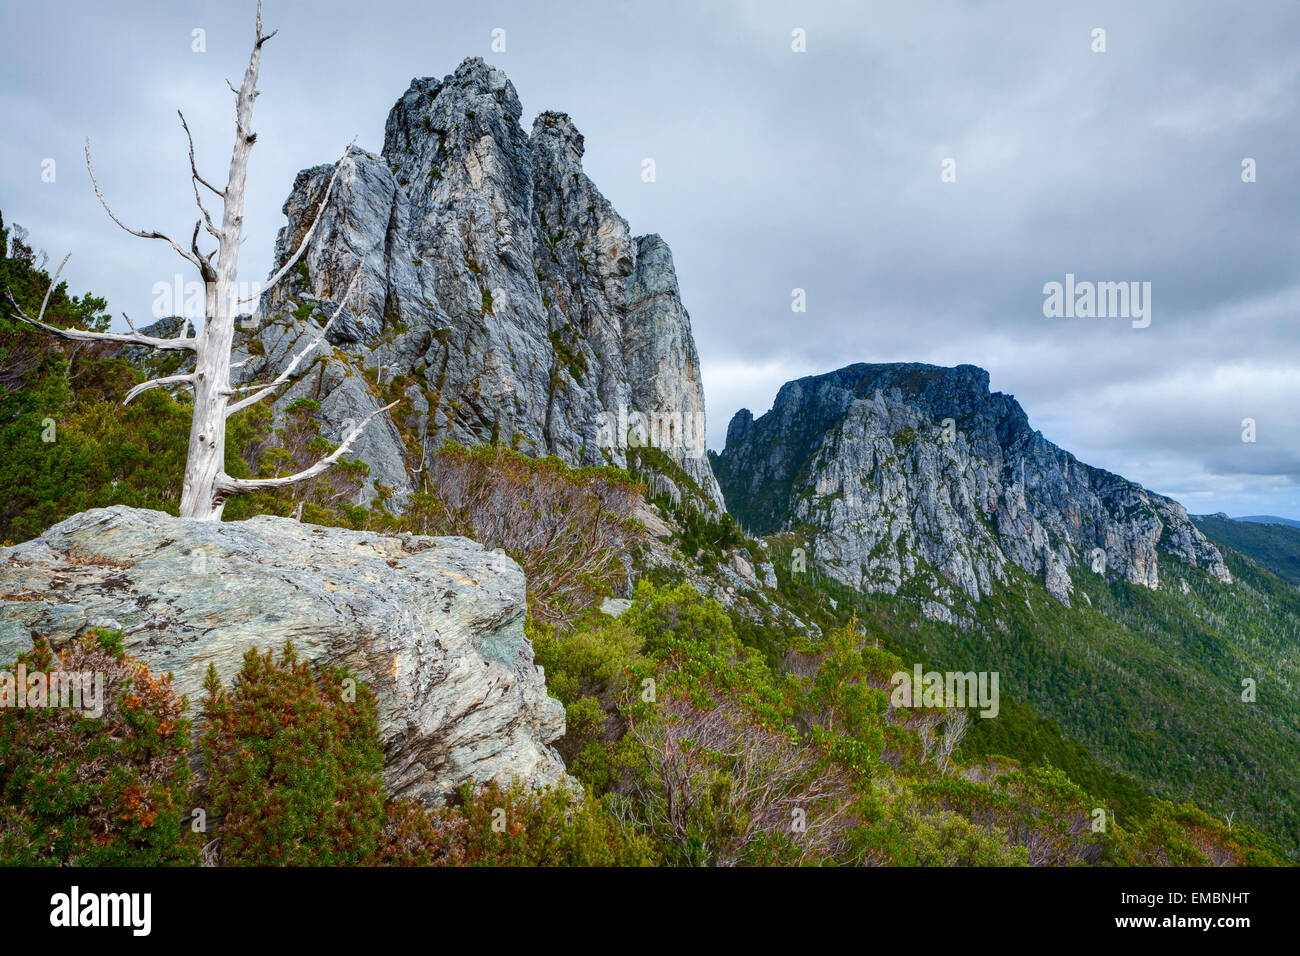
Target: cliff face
point(500, 295)
point(898, 464)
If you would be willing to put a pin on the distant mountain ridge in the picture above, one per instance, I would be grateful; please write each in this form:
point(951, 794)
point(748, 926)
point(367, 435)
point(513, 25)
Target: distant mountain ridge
point(906, 470)
point(1270, 519)
point(1272, 545)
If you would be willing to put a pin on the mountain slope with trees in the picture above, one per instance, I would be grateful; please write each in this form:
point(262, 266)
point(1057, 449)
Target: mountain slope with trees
point(773, 677)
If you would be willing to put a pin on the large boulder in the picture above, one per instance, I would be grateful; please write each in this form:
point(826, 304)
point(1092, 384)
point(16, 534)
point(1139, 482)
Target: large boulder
point(435, 626)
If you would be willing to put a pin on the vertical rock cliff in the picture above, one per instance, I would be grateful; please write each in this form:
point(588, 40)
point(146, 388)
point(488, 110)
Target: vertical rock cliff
point(500, 295)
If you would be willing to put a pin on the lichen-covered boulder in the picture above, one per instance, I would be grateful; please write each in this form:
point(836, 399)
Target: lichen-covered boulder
point(435, 626)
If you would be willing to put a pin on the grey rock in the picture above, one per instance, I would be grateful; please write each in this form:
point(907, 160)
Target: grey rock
point(100, 621)
point(742, 567)
point(433, 625)
point(615, 607)
point(936, 611)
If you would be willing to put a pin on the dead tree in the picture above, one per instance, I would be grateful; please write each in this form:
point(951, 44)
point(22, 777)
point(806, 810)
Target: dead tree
point(207, 486)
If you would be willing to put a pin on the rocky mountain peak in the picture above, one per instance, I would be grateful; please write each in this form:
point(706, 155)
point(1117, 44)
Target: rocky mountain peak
point(739, 427)
point(442, 122)
point(555, 136)
point(501, 296)
point(903, 470)
point(469, 99)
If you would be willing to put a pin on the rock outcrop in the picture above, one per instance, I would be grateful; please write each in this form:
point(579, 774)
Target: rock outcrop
point(900, 467)
point(500, 296)
point(435, 626)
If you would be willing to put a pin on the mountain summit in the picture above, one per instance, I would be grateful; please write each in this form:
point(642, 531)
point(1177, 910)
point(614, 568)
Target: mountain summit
point(499, 295)
point(902, 470)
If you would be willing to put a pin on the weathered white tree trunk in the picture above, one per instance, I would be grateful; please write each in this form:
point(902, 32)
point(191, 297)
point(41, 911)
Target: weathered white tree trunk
point(206, 485)
point(206, 461)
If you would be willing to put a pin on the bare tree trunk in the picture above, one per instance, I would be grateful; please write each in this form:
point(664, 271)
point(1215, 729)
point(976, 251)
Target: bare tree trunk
point(207, 452)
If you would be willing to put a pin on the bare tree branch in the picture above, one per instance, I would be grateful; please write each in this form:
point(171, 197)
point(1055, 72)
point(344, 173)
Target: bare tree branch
point(260, 37)
point(80, 335)
point(186, 379)
point(228, 485)
point(181, 250)
point(205, 262)
point(284, 376)
point(194, 172)
point(54, 280)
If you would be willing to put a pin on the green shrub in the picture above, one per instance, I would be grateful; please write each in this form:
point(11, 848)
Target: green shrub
point(1187, 836)
point(79, 790)
point(294, 763)
point(902, 833)
point(516, 826)
point(1038, 808)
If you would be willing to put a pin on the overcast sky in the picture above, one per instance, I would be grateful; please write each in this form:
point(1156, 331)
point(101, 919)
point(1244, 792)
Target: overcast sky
point(778, 170)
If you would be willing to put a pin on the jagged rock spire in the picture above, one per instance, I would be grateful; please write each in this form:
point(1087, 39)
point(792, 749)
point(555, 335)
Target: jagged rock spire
point(498, 286)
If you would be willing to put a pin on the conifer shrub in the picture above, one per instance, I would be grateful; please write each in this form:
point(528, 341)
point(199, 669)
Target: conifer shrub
point(412, 836)
point(81, 790)
point(294, 761)
point(511, 826)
